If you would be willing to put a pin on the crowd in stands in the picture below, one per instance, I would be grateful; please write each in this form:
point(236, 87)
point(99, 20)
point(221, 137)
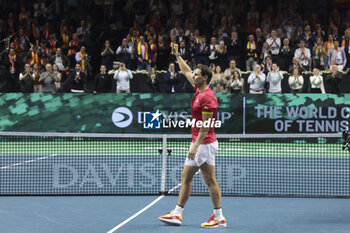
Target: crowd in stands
point(51, 48)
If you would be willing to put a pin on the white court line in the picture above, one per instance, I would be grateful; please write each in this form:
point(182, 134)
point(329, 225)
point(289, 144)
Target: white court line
point(28, 161)
point(135, 215)
point(144, 209)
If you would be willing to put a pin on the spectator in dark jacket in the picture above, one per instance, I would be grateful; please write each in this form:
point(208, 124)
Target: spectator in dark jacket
point(103, 81)
point(333, 80)
point(234, 48)
point(172, 80)
point(202, 52)
point(153, 81)
point(76, 80)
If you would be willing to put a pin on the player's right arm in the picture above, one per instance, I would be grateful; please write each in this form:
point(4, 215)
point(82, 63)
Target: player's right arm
point(185, 69)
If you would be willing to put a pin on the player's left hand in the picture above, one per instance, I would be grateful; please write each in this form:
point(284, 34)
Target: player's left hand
point(192, 153)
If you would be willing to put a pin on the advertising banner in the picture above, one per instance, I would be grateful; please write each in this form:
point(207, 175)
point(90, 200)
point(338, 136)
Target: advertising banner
point(171, 113)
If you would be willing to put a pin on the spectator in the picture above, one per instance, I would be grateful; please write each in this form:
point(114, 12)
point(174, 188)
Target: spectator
point(58, 74)
point(319, 57)
point(153, 51)
point(190, 30)
point(221, 54)
point(307, 37)
point(34, 56)
point(335, 32)
point(229, 71)
point(73, 48)
point(333, 80)
point(192, 50)
point(44, 53)
point(83, 32)
point(214, 46)
point(303, 54)
point(296, 82)
point(81, 58)
point(252, 53)
point(176, 30)
point(234, 48)
point(184, 51)
point(163, 53)
point(337, 56)
point(151, 35)
point(237, 84)
point(172, 43)
point(12, 64)
point(107, 55)
point(172, 80)
point(259, 38)
point(345, 44)
point(143, 55)
point(218, 81)
point(124, 53)
point(289, 28)
point(296, 65)
point(256, 80)
point(103, 81)
point(60, 60)
point(274, 78)
point(123, 76)
point(267, 67)
point(329, 43)
point(202, 52)
point(38, 88)
point(76, 80)
point(286, 55)
point(52, 43)
point(26, 80)
point(264, 53)
point(316, 81)
point(65, 39)
point(181, 36)
point(153, 81)
point(274, 44)
point(48, 78)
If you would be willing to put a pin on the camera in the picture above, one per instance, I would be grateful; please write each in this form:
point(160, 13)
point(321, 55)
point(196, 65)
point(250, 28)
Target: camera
point(346, 137)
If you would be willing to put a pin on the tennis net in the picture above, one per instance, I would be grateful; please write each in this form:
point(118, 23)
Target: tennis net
point(127, 164)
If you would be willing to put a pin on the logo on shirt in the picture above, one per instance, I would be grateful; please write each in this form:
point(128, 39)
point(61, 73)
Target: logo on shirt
point(122, 117)
point(152, 120)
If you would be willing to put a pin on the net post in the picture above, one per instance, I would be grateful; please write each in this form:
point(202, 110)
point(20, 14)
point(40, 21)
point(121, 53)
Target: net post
point(164, 158)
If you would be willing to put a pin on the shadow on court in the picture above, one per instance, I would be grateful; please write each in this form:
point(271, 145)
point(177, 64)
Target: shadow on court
point(99, 214)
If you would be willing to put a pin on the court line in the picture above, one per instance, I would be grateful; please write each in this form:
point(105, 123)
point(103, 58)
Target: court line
point(28, 161)
point(245, 149)
point(145, 208)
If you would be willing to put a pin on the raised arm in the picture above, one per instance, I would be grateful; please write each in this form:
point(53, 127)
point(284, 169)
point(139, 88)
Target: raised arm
point(185, 69)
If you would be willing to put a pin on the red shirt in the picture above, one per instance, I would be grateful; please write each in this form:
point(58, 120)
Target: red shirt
point(204, 101)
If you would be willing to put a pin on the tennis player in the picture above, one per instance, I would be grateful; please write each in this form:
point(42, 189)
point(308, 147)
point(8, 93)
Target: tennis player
point(203, 147)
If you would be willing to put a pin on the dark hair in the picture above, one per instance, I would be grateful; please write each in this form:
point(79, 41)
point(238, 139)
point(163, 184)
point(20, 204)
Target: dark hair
point(205, 71)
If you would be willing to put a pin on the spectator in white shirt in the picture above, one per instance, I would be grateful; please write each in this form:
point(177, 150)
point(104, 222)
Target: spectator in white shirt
point(316, 81)
point(296, 82)
point(303, 54)
point(274, 44)
point(123, 76)
point(256, 80)
point(237, 83)
point(274, 78)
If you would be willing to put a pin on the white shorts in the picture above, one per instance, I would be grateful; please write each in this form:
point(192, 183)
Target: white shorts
point(205, 154)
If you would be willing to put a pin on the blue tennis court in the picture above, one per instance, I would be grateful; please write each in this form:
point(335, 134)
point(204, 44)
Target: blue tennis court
point(295, 184)
point(95, 214)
